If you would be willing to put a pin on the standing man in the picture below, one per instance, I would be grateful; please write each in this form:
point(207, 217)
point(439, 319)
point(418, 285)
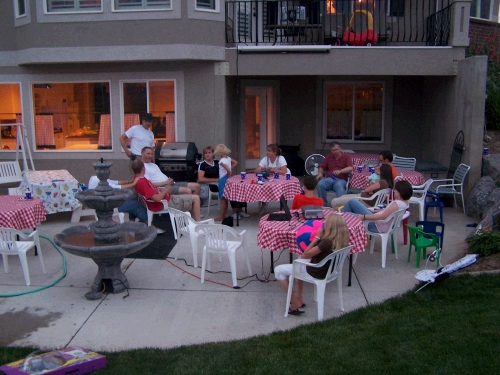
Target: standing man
point(386, 157)
point(337, 167)
point(140, 136)
point(159, 179)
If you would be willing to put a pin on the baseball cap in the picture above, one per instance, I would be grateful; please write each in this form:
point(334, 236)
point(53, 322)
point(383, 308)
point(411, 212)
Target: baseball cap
point(147, 117)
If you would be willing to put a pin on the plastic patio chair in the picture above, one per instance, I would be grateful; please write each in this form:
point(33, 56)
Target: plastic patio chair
point(184, 224)
point(434, 227)
point(380, 196)
point(10, 244)
point(221, 239)
point(435, 202)
point(334, 272)
point(453, 185)
point(213, 189)
point(143, 200)
point(395, 220)
point(419, 196)
point(404, 163)
point(422, 240)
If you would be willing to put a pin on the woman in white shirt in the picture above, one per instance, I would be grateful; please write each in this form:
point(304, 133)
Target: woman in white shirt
point(273, 162)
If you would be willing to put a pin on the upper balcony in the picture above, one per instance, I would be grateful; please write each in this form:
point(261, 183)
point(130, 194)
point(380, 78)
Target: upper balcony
point(347, 22)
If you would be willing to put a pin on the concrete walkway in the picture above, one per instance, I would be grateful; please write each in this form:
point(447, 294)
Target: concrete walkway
point(168, 306)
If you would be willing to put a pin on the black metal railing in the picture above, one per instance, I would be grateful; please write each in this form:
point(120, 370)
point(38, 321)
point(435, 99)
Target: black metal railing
point(338, 22)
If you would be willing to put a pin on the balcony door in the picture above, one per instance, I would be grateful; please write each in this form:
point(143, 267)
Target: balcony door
point(259, 126)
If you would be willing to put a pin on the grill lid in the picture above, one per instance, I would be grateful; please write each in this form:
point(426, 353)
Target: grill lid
point(185, 151)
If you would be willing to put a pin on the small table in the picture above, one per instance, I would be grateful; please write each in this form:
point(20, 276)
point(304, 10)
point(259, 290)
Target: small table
point(18, 213)
point(360, 180)
point(279, 235)
point(240, 190)
point(56, 189)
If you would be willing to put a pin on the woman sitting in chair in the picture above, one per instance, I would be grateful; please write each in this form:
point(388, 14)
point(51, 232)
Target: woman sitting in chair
point(334, 236)
point(402, 192)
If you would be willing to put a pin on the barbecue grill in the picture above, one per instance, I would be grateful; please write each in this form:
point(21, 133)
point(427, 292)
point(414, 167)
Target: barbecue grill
point(177, 160)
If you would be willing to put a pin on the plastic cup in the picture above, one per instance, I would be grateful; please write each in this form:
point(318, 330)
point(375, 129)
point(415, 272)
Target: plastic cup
point(28, 195)
point(288, 175)
point(371, 168)
point(259, 177)
point(276, 175)
point(334, 176)
point(360, 169)
point(486, 151)
point(243, 175)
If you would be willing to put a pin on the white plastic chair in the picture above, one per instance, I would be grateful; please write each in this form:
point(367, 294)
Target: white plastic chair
point(336, 259)
point(395, 220)
point(372, 162)
point(453, 185)
point(210, 193)
point(418, 197)
point(10, 172)
point(217, 242)
point(380, 196)
point(404, 163)
point(143, 200)
point(184, 224)
point(10, 245)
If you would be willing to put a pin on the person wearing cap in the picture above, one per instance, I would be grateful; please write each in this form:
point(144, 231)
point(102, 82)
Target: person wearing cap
point(140, 136)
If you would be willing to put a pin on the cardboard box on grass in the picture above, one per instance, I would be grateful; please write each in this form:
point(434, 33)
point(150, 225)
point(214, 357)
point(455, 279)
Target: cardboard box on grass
point(71, 360)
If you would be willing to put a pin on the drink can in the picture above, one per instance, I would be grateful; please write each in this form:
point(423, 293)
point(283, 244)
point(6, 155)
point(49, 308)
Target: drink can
point(379, 207)
point(334, 176)
point(288, 175)
point(259, 177)
point(371, 168)
point(276, 175)
point(486, 151)
point(28, 194)
point(360, 169)
point(243, 175)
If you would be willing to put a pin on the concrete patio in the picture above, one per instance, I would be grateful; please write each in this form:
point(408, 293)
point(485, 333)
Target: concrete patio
point(169, 307)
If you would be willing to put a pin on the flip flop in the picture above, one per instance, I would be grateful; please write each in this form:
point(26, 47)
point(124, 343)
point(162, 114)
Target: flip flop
point(303, 305)
point(295, 312)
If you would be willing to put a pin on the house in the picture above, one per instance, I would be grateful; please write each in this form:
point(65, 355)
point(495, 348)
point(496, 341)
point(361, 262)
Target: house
point(244, 73)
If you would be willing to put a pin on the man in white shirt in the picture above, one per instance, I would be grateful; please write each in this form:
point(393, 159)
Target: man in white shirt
point(159, 179)
point(140, 136)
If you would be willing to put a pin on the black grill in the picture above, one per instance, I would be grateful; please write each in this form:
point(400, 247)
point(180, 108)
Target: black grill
point(177, 160)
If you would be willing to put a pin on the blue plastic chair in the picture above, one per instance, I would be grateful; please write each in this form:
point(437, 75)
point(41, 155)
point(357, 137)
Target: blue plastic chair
point(434, 227)
point(436, 202)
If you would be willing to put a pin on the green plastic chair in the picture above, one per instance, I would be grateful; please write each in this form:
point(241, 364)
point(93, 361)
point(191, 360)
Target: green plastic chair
point(422, 240)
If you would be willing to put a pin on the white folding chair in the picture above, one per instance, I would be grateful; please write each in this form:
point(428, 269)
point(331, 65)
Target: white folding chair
point(143, 200)
point(336, 260)
point(380, 196)
point(14, 242)
point(394, 219)
point(453, 185)
point(184, 224)
point(418, 197)
point(404, 163)
point(217, 241)
point(215, 187)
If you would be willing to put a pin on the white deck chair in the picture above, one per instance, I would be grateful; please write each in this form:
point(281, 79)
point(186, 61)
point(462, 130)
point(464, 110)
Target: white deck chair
point(418, 197)
point(404, 163)
point(10, 172)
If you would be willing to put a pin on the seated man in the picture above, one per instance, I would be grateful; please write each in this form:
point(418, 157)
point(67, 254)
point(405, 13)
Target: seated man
point(337, 166)
point(385, 157)
point(308, 198)
point(132, 206)
point(146, 188)
point(159, 179)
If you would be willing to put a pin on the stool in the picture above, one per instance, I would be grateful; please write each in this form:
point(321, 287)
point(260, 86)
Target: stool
point(435, 203)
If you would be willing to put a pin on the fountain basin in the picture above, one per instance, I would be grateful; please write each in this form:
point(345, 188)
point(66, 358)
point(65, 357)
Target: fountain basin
point(92, 199)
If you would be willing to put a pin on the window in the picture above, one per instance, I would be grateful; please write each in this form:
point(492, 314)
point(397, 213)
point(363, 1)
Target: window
point(72, 116)
point(10, 114)
point(480, 9)
point(396, 8)
point(125, 5)
point(156, 97)
point(20, 8)
point(354, 112)
point(61, 6)
point(207, 5)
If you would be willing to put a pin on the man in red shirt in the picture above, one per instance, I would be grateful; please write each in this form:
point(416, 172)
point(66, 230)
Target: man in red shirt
point(337, 167)
point(385, 157)
point(308, 198)
point(144, 187)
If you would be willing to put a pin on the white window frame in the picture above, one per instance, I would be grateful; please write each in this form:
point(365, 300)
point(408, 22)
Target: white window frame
point(16, 8)
point(21, 105)
point(144, 7)
point(76, 8)
point(215, 9)
point(478, 7)
point(325, 105)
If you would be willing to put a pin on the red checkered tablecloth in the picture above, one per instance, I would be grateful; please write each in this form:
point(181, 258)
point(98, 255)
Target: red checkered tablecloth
point(20, 214)
point(359, 158)
point(360, 180)
point(279, 235)
point(240, 190)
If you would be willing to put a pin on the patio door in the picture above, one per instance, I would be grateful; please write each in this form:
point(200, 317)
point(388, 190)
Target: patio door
point(259, 127)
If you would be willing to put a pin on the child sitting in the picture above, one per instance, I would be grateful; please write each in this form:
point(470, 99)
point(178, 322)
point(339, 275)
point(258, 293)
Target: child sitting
point(308, 198)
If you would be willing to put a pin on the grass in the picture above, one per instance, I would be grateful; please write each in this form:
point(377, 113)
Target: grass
point(451, 327)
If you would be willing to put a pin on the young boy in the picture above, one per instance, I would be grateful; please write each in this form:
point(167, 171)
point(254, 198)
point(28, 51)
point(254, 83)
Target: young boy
point(308, 198)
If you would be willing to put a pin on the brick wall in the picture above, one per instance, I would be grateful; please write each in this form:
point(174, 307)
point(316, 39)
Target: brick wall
point(482, 29)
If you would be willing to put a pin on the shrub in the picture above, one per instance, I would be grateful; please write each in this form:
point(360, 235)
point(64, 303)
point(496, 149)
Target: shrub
point(485, 242)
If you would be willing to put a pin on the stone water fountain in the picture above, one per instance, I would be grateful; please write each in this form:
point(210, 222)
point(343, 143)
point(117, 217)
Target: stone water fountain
point(105, 241)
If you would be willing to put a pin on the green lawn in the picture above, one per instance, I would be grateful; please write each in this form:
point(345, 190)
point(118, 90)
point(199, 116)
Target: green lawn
point(451, 327)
